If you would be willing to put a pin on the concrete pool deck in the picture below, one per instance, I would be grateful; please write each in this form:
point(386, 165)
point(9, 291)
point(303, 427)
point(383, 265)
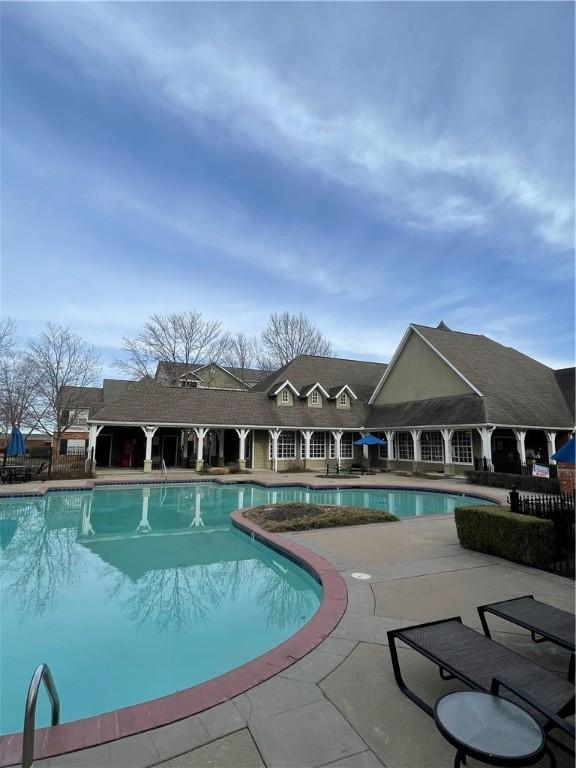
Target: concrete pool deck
point(339, 705)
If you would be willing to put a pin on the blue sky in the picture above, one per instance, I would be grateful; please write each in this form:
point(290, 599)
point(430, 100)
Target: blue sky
point(368, 164)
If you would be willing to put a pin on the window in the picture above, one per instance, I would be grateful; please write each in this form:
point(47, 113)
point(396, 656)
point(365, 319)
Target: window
point(404, 446)
point(286, 446)
point(462, 447)
point(76, 447)
point(342, 400)
point(318, 446)
point(315, 397)
point(285, 396)
point(187, 383)
point(346, 446)
point(432, 446)
point(382, 449)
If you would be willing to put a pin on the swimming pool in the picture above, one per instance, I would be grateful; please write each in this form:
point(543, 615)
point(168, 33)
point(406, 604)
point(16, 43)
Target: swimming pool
point(138, 592)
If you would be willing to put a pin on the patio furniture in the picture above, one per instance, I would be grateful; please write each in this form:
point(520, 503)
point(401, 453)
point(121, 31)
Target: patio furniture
point(490, 729)
point(332, 468)
point(16, 473)
point(475, 660)
point(545, 622)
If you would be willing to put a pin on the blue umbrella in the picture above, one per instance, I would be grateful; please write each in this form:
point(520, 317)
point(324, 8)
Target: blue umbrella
point(567, 453)
point(16, 445)
point(369, 440)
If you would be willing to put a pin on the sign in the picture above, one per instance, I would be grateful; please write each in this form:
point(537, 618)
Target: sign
point(539, 471)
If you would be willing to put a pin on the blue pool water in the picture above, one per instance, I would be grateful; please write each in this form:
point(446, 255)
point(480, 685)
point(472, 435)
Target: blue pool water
point(133, 593)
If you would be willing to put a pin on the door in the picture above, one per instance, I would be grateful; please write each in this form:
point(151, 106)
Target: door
point(103, 451)
point(169, 449)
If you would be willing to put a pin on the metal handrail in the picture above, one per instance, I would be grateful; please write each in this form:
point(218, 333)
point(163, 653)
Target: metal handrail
point(42, 674)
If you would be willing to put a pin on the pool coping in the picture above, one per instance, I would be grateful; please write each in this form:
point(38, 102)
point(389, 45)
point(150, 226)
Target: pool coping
point(138, 718)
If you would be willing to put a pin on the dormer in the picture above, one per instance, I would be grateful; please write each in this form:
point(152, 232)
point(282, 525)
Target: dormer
point(314, 395)
point(284, 393)
point(342, 396)
point(188, 380)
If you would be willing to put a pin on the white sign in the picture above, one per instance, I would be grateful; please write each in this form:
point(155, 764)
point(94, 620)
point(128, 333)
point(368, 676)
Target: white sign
point(539, 471)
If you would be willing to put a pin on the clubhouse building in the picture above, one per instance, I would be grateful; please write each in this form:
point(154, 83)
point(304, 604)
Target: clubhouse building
point(446, 401)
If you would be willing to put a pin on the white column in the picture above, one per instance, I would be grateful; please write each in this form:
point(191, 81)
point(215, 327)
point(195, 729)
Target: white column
point(486, 438)
point(220, 447)
point(390, 443)
point(307, 435)
point(242, 434)
point(274, 435)
point(447, 438)
point(144, 525)
point(337, 435)
point(416, 433)
point(184, 445)
point(365, 452)
point(551, 443)
point(197, 521)
point(520, 435)
point(201, 433)
point(149, 431)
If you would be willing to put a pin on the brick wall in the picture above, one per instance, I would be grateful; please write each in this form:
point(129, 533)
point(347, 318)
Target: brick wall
point(567, 477)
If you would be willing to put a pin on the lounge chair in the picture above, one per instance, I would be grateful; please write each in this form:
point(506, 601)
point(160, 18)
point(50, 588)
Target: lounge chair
point(545, 622)
point(476, 660)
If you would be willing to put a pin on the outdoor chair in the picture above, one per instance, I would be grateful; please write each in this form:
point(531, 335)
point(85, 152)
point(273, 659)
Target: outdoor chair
point(477, 661)
point(545, 622)
point(332, 468)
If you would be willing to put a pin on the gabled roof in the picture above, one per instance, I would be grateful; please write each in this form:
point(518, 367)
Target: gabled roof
point(171, 371)
point(189, 376)
point(335, 392)
point(566, 381)
point(517, 388)
point(283, 385)
point(308, 389)
point(461, 410)
point(330, 372)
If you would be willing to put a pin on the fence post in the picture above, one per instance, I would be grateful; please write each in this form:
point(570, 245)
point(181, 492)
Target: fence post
point(514, 499)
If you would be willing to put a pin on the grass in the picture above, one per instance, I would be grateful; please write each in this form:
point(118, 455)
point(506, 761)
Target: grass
point(278, 518)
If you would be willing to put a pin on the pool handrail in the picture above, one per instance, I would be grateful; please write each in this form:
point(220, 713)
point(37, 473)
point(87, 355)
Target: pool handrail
point(42, 674)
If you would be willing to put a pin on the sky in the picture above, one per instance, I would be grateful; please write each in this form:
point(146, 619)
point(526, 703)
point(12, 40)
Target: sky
point(367, 164)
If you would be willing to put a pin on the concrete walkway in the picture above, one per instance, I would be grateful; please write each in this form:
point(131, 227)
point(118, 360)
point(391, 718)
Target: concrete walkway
point(340, 706)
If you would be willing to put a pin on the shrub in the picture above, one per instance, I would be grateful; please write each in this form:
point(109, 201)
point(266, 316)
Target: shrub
point(521, 482)
point(297, 516)
point(497, 531)
point(218, 471)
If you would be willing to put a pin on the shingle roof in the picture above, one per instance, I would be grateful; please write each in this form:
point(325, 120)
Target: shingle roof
point(439, 411)
point(174, 370)
point(518, 389)
point(149, 402)
point(566, 381)
point(332, 372)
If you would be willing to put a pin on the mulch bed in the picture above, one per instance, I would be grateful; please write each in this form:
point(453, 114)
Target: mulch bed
point(277, 518)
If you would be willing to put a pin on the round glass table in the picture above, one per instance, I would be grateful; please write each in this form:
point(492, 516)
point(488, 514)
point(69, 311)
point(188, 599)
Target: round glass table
point(489, 728)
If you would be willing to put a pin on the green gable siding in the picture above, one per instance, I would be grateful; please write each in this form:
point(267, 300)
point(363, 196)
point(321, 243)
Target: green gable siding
point(418, 374)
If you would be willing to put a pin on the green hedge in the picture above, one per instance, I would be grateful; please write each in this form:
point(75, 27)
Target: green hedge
point(497, 531)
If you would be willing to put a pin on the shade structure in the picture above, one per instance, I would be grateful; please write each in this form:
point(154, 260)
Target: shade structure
point(16, 445)
point(567, 453)
point(369, 440)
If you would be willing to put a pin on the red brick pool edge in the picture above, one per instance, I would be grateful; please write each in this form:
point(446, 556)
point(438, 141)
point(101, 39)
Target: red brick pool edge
point(129, 721)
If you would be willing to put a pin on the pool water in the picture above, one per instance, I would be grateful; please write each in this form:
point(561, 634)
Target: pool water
point(132, 593)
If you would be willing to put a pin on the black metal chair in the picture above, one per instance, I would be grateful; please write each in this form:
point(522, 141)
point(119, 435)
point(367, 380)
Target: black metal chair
point(466, 655)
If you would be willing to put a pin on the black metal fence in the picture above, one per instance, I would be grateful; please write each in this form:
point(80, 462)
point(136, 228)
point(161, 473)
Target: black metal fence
point(14, 469)
point(561, 510)
point(514, 467)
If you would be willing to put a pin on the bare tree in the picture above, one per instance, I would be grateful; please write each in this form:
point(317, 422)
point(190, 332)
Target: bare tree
point(288, 335)
point(61, 359)
point(179, 337)
point(241, 354)
point(7, 331)
point(18, 392)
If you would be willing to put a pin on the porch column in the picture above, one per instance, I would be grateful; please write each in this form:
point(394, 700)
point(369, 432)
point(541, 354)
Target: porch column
point(220, 447)
point(242, 434)
point(486, 438)
point(365, 452)
point(551, 443)
point(149, 431)
point(416, 433)
point(447, 438)
point(520, 435)
point(144, 525)
point(201, 433)
point(390, 446)
point(185, 434)
point(274, 435)
point(307, 436)
point(337, 435)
